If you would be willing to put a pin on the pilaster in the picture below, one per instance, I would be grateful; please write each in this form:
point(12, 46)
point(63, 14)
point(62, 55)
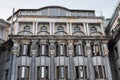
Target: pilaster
point(33, 60)
point(13, 60)
point(71, 63)
point(52, 59)
point(90, 64)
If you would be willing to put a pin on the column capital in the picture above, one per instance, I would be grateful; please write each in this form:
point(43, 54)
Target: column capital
point(25, 41)
point(15, 48)
point(42, 41)
point(34, 47)
point(61, 41)
point(52, 46)
point(70, 46)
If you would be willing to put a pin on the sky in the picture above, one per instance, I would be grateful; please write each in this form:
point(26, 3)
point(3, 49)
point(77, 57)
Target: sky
point(105, 6)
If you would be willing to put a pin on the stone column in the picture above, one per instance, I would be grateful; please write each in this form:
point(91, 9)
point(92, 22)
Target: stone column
point(88, 30)
point(102, 29)
point(36, 28)
point(71, 63)
point(33, 28)
point(51, 29)
point(90, 64)
point(16, 28)
point(68, 29)
point(52, 59)
point(84, 25)
point(107, 62)
point(33, 60)
point(13, 61)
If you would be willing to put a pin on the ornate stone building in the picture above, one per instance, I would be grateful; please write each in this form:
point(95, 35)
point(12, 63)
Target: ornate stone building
point(56, 43)
point(113, 30)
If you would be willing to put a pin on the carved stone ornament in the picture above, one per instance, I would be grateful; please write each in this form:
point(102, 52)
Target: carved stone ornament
point(52, 47)
point(70, 47)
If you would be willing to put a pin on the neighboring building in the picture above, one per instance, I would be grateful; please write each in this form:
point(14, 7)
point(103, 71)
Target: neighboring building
point(113, 30)
point(4, 28)
point(56, 43)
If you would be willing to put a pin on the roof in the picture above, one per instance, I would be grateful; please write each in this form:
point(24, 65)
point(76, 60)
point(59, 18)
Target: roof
point(50, 7)
point(3, 22)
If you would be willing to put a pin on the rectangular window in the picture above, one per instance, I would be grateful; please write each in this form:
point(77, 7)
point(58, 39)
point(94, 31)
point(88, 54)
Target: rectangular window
point(43, 50)
point(42, 72)
point(99, 72)
point(78, 50)
point(23, 73)
point(62, 50)
point(44, 12)
point(6, 74)
point(81, 72)
point(96, 50)
point(53, 11)
point(24, 50)
point(62, 72)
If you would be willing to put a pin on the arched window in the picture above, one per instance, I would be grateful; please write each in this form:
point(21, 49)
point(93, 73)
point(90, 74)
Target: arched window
point(26, 28)
point(60, 29)
point(77, 29)
point(93, 29)
point(44, 28)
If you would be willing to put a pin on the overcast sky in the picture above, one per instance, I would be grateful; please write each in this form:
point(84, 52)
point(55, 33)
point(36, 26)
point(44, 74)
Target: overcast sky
point(106, 6)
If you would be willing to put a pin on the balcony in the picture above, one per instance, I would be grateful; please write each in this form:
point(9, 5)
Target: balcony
point(80, 33)
point(61, 33)
point(43, 33)
point(96, 33)
point(25, 33)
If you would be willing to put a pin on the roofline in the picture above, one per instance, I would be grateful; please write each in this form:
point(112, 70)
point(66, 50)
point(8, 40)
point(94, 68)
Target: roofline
point(49, 7)
point(114, 15)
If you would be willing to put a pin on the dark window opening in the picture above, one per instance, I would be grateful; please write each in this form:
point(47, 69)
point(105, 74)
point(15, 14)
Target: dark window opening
point(62, 72)
point(42, 72)
point(23, 73)
point(81, 72)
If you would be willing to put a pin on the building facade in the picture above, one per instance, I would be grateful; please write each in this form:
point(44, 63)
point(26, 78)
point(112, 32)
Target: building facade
point(56, 43)
point(113, 30)
point(4, 29)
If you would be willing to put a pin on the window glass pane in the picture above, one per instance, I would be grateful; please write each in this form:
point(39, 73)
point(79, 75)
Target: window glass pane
point(96, 72)
point(93, 29)
point(81, 72)
point(62, 12)
point(60, 28)
point(62, 72)
point(42, 72)
point(23, 72)
point(27, 28)
point(43, 28)
point(44, 12)
point(78, 13)
point(77, 29)
point(53, 11)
